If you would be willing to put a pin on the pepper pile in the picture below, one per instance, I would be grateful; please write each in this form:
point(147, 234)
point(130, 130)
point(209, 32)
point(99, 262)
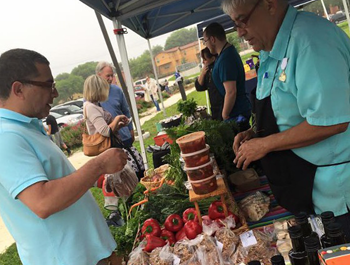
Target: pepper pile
point(175, 228)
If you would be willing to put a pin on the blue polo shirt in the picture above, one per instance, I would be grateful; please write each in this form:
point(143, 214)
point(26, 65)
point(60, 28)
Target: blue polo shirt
point(229, 67)
point(75, 235)
point(316, 89)
point(116, 104)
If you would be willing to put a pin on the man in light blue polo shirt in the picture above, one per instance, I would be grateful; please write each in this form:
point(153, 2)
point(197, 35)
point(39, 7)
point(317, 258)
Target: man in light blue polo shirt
point(45, 203)
point(302, 106)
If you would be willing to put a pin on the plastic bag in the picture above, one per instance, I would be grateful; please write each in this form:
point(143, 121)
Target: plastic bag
point(255, 206)
point(229, 241)
point(211, 252)
point(138, 256)
point(122, 183)
point(162, 256)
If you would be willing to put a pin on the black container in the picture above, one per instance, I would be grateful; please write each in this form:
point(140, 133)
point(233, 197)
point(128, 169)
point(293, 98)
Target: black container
point(277, 260)
point(254, 262)
point(302, 220)
point(312, 245)
point(297, 255)
point(335, 234)
point(171, 122)
point(327, 218)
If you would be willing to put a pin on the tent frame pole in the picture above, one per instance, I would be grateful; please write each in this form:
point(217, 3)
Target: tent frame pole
point(124, 56)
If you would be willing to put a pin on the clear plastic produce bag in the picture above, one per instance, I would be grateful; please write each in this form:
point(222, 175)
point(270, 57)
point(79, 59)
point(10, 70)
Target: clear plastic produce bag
point(122, 183)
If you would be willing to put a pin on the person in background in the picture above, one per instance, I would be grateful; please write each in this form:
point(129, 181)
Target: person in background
point(165, 85)
point(116, 103)
point(152, 90)
point(179, 81)
point(101, 121)
point(55, 134)
point(228, 76)
point(46, 204)
point(302, 106)
point(205, 82)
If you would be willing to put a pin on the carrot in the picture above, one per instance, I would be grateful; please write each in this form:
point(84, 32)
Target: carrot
point(138, 204)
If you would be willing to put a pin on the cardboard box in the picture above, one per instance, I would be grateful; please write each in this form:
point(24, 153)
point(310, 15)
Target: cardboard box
point(337, 255)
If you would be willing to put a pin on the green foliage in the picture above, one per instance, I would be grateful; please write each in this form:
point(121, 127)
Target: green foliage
point(234, 40)
point(180, 37)
point(68, 87)
point(218, 135)
point(84, 70)
point(62, 77)
point(187, 107)
point(143, 105)
point(72, 135)
point(141, 66)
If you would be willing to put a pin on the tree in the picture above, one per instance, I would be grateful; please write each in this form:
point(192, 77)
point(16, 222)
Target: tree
point(142, 65)
point(234, 40)
point(181, 37)
point(85, 70)
point(62, 76)
point(67, 88)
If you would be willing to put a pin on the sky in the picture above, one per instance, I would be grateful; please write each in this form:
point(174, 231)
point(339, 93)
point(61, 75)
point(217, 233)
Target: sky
point(66, 32)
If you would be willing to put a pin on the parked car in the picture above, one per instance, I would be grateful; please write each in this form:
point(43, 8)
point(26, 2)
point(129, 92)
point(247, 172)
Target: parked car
point(78, 102)
point(338, 17)
point(139, 91)
point(67, 110)
point(65, 120)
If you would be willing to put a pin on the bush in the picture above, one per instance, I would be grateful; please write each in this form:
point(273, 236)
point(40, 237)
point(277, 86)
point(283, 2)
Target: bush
point(72, 135)
point(143, 105)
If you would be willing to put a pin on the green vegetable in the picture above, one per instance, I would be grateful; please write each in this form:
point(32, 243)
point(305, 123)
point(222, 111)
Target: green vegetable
point(187, 107)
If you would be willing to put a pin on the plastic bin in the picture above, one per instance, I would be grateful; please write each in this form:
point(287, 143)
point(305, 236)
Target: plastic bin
point(192, 142)
point(197, 158)
point(201, 172)
point(204, 186)
point(161, 139)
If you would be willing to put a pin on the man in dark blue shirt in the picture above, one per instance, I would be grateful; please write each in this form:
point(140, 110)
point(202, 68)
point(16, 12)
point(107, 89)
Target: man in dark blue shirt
point(228, 75)
point(116, 103)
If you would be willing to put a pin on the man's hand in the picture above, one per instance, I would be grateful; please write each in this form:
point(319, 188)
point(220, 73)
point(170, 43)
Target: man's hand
point(241, 138)
point(249, 151)
point(112, 160)
point(132, 133)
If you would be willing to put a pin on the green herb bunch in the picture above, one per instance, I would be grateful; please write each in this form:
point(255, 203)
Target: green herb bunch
point(187, 107)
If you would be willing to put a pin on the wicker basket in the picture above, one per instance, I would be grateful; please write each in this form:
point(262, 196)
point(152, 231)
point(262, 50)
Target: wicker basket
point(150, 184)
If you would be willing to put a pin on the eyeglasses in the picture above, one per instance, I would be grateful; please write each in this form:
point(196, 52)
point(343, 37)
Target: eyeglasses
point(51, 85)
point(204, 41)
point(242, 24)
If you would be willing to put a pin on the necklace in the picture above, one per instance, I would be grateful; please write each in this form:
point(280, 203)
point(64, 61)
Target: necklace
point(223, 47)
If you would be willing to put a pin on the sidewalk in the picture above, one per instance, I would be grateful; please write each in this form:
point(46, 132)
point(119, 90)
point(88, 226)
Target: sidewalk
point(79, 159)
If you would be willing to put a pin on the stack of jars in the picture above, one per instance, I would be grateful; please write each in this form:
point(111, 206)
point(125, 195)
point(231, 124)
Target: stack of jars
point(198, 165)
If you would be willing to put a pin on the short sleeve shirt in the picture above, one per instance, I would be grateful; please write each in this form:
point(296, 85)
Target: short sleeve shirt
point(76, 235)
point(314, 56)
point(229, 67)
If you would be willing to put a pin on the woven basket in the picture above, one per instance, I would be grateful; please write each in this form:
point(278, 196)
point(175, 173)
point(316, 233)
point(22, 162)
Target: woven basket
point(149, 184)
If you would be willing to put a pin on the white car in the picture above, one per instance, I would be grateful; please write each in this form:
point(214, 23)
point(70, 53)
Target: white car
point(65, 120)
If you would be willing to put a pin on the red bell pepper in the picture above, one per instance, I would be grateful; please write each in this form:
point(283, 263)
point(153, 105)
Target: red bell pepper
point(151, 227)
point(190, 215)
point(180, 234)
point(216, 210)
point(192, 229)
point(173, 223)
point(153, 242)
point(168, 236)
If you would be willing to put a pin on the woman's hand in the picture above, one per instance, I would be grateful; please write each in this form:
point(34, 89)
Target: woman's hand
point(119, 122)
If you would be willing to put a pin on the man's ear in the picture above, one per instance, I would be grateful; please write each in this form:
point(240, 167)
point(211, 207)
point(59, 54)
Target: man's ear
point(17, 89)
point(271, 6)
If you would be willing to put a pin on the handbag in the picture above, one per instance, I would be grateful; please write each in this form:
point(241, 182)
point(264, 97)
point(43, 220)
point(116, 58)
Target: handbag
point(94, 144)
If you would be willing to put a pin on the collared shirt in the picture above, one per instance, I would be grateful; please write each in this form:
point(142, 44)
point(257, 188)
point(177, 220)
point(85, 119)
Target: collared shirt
point(316, 89)
point(229, 67)
point(75, 235)
point(117, 105)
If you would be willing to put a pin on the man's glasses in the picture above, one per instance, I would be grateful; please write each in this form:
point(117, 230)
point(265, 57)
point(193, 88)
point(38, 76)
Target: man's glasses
point(204, 41)
point(242, 24)
point(51, 85)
